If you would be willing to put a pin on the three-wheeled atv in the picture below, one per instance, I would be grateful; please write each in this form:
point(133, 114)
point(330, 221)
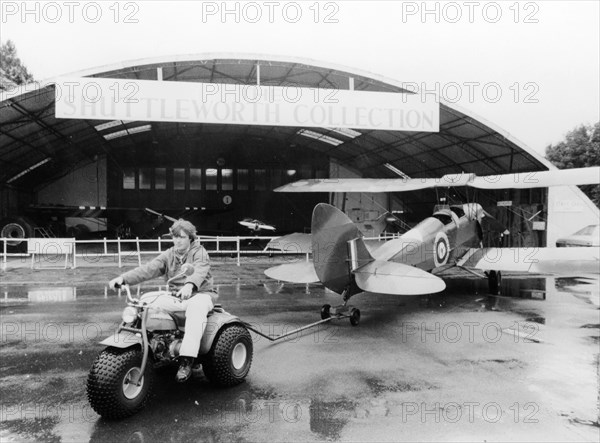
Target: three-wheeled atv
point(120, 380)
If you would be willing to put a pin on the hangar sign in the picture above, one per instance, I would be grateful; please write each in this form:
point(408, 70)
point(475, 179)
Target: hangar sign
point(169, 101)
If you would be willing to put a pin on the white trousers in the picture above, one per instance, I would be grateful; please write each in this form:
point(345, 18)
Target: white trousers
point(196, 309)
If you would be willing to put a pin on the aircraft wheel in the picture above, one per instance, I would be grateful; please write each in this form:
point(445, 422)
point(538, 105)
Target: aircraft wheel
point(16, 230)
point(354, 317)
point(325, 312)
point(494, 282)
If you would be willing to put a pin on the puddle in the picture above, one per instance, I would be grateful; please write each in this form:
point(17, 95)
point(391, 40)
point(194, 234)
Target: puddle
point(36, 429)
point(379, 386)
point(539, 320)
point(328, 418)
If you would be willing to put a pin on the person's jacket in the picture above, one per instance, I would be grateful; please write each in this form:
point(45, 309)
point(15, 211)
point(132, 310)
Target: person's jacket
point(168, 265)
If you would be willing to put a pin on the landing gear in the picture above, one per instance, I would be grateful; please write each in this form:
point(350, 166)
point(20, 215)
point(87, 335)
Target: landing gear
point(354, 317)
point(494, 282)
point(339, 312)
point(342, 311)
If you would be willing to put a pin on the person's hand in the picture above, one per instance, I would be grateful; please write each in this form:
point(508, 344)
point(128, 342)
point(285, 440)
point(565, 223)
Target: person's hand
point(186, 291)
point(115, 282)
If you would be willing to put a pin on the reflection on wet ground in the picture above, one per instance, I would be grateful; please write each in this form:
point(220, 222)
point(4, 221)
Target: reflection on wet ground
point(465, 364)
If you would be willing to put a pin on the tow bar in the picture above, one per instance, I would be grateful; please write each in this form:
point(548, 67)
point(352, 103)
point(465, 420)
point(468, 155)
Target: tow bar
point(287, 334)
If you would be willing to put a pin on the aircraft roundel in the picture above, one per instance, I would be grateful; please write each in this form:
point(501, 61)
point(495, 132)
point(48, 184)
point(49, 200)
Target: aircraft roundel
point(441, 249)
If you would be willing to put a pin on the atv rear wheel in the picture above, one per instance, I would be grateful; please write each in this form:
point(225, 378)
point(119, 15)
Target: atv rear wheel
point(228, 361)
point(109, 386)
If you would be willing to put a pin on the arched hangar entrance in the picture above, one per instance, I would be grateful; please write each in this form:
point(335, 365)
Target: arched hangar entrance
point(101, 171)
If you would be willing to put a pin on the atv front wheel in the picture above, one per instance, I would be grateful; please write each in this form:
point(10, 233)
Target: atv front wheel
point(110, 386)
point(229, 359)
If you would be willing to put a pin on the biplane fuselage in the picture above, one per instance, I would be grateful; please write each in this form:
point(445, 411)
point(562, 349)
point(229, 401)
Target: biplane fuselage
point(436, 241)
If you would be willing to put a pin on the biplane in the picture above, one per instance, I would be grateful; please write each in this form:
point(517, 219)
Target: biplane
point(452, 237)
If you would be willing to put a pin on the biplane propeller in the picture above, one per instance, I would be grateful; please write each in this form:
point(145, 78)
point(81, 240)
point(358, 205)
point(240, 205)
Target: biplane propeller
point(347, 264)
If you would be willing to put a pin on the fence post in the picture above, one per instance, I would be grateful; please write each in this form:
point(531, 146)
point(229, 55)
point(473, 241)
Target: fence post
point(74, 254)
point(119, 250)
point(137, 244)
point(237, 243)
point(4, 247)
point(159, 244)
point(105, 247)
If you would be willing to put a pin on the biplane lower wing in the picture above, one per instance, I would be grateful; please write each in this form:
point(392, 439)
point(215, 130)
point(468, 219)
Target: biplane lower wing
point(556, 261)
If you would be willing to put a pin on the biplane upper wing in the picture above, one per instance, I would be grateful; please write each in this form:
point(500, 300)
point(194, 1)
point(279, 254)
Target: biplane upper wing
point(556, 261)
point(539, 179)
point(359, 185)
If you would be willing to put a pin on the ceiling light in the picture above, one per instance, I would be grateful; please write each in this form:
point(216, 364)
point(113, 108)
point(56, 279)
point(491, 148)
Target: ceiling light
point(320, 137)
point(31, 168)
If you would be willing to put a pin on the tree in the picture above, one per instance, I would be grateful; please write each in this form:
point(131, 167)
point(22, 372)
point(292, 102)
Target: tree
point(12, 70)
point(581, 148)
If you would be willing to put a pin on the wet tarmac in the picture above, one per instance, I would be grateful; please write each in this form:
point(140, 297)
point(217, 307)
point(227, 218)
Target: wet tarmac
point(457, 366)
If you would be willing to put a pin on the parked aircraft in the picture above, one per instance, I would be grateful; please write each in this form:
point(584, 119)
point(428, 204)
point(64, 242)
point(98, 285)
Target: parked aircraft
point(346, 264)
point(256, 225)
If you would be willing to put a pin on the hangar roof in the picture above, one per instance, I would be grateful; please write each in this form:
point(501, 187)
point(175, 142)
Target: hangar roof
point(32, 138)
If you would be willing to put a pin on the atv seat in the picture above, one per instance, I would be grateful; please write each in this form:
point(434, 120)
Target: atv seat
point(179, 316)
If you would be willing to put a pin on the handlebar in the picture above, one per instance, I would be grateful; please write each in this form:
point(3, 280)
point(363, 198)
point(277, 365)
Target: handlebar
point(128, 291)
point(130, 299)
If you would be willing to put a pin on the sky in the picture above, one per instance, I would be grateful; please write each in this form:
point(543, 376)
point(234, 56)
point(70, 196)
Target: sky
point(531, 68)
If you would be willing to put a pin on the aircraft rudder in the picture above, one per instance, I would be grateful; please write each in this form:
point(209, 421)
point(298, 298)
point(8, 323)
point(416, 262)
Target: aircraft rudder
point(337, 247)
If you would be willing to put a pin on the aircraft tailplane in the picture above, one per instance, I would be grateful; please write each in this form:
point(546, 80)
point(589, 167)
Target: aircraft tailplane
point(300, 272)
point(386, 277)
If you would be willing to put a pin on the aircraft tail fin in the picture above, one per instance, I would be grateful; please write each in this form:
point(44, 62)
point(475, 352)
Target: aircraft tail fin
point(338, 249)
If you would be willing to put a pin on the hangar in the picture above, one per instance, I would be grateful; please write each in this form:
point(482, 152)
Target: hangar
point(78, 175)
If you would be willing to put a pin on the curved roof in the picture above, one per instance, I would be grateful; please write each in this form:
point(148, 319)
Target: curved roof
point(31, 137)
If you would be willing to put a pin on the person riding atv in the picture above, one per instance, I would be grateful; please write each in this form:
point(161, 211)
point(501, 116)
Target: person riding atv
point(194, 293)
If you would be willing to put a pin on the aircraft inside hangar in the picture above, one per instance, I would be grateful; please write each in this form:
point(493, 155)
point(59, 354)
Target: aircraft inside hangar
point(77, 176)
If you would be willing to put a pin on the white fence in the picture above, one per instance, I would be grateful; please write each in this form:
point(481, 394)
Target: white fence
point(77, 250)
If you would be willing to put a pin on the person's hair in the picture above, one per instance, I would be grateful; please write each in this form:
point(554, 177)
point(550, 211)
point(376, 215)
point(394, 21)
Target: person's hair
point(184, 226)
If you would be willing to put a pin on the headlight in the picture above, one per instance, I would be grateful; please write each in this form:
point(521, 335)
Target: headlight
point(129, 314)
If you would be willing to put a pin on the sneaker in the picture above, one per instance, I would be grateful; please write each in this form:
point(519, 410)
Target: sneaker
point(185, 369)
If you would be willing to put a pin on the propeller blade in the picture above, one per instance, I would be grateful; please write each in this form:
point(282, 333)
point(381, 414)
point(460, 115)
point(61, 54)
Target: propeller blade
point(494, 224)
